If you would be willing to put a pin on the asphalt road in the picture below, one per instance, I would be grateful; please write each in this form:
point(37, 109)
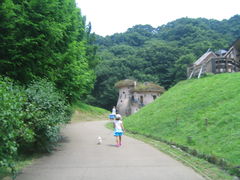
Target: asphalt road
point(79, 157)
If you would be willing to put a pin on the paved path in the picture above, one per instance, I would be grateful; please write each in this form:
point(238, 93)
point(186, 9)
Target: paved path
point(80, 158)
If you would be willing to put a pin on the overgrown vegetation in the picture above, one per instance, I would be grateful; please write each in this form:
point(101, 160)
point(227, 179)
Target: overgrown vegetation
point(30, 119)
point(46, 110)
point(200, 116)
point(12, 123)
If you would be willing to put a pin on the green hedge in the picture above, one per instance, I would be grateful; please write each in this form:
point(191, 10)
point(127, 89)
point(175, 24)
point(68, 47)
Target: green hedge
point(12, 126)
point(30, 118)
point(46, 112)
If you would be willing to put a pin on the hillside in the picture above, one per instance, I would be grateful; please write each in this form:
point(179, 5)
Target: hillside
point(160, 55)
point(85, 112)
point(200, 116)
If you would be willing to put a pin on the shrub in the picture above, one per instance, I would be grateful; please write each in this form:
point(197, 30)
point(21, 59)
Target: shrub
point(47, 111)
point(12, 121)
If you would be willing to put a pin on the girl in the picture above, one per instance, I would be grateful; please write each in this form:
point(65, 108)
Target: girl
point(118, 129)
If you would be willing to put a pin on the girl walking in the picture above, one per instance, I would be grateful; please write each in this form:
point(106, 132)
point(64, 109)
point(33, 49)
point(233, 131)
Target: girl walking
point(118, 129)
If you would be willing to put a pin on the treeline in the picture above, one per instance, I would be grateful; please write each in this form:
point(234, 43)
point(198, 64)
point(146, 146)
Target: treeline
point(47, 59)
point(160, 55)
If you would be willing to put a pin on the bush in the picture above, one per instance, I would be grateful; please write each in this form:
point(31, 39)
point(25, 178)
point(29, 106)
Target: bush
point(12, 127)
point(46, 112)
point(30, 118)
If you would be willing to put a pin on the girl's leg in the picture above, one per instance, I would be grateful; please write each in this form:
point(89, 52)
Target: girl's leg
point(120, 140)
point(117, 140)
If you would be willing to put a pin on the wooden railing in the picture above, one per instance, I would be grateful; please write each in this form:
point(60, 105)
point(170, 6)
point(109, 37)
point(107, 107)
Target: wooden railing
point(226, 65)
point(219, 65)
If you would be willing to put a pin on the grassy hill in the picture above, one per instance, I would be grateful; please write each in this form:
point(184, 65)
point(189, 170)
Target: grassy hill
point(85, 112)
point(201, 116)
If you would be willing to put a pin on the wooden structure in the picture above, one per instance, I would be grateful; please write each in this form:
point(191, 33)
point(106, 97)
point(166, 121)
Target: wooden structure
point(218, 62)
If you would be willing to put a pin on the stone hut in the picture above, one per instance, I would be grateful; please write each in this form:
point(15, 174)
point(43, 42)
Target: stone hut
point(134, 95)
point(221, 61)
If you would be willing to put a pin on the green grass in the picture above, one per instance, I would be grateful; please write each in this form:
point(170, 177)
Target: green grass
point(88, 108)
point(207, 170)
point(85, 112)
point(200, 115)
point(22, 162)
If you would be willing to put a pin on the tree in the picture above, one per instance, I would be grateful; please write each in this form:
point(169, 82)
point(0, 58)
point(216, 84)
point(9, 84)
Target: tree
point(38, 35)
point(180, 68)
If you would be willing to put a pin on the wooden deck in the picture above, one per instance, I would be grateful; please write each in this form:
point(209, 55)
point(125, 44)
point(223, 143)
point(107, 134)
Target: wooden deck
point(214, 65)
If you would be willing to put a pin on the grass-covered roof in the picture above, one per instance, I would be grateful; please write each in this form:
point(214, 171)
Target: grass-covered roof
point(148, 87)
point(140, 87)
point(124, 83)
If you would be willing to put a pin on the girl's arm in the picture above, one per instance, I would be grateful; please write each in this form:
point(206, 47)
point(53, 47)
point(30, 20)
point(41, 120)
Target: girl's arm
point(122, 126)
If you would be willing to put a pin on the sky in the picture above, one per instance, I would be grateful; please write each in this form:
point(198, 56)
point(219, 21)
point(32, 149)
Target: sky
point(115, 16)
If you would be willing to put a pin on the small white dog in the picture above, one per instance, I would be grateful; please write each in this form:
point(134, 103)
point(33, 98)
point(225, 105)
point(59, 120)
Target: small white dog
point(99, 140)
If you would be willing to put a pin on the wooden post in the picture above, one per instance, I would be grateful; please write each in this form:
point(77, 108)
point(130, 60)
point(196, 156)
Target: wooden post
point(226, 64)
point(191, 74)
point(200, 72)
point(213, 66)
point(206, 122)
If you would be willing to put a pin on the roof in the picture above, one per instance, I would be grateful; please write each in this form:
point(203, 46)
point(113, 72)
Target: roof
point(140, 87)
point(125, 83)
point(235, 44)
point(148, 87)
point(221, 52)
point(204, 57)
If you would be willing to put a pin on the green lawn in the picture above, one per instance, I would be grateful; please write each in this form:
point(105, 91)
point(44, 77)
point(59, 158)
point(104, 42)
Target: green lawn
point(200, 115)
point(85, 112)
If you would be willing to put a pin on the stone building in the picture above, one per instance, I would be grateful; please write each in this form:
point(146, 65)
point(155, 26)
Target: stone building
point(217, 62)
point(134, 95)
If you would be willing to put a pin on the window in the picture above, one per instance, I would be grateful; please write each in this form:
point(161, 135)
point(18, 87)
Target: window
point(154, 97)
point(132, 98)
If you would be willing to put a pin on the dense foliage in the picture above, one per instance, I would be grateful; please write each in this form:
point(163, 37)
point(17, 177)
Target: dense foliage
point(12, 123)
point(30, 118)
point(199, 116)
point(47, 39)
point(160, 55)
point(46, 112)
